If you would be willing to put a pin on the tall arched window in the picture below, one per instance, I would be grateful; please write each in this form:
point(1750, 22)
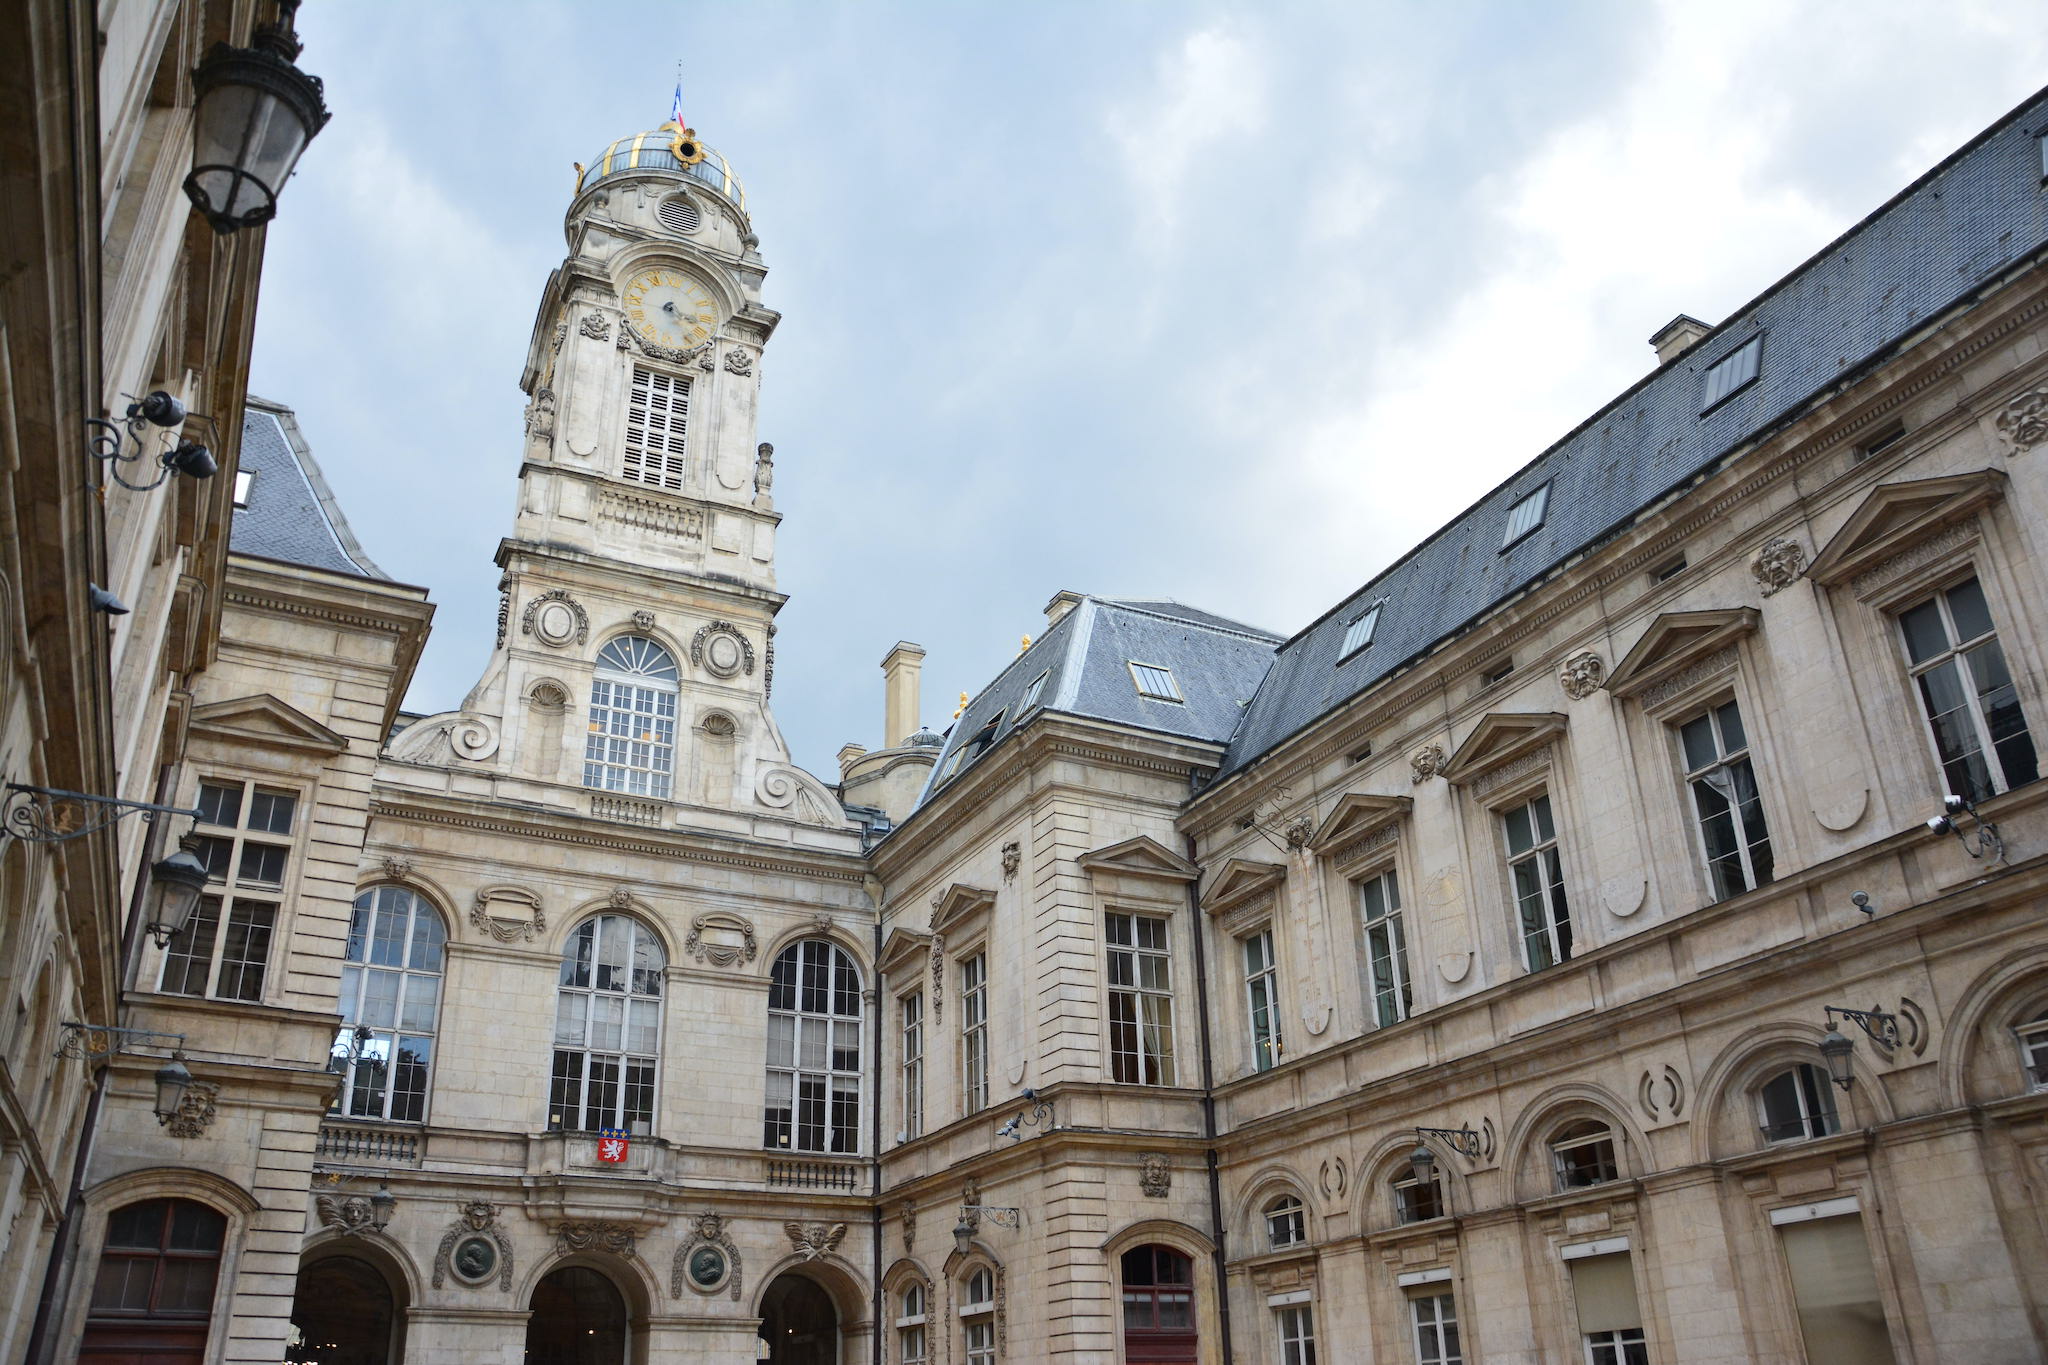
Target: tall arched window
point(154, 1292)
point(607, 1028)
point(632, 742)
point(390, 996)
point(813, 1051)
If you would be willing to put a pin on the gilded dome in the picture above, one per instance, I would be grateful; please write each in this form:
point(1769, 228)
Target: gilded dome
point(665, 149)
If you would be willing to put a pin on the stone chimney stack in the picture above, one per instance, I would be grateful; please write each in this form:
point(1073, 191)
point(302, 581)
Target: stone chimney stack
point(899, 681)
point(1062, 602)
point(1677, 336)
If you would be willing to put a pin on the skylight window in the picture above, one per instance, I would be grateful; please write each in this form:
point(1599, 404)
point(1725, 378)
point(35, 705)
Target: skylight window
point(1733, 371)
point(1358, 634)
point(243, 478)
point(1526, 516)
point(1032, 692)
point(1154, 682)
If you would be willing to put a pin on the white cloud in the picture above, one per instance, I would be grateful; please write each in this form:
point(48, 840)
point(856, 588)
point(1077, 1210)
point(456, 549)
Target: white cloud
point(1208, 92)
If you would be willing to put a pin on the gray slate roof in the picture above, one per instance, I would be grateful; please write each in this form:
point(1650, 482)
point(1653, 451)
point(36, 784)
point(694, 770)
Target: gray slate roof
point(1086, 657)
point(292, 515)
point(1975, 216)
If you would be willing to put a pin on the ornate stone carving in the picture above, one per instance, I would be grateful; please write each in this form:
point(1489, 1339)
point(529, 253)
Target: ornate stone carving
point(798, 793)
point(504, 614)
point(938, 977)
point(1582, 675)
point(813, 1240)
point(721, 650)
point(612, 1239)
point(478, 1223)
point(621, 898)
point(907, 1211)
point(704, 360)
point(707, 1230)
point(438, 739)
point(1661, 1094)
point(1013, 857)
point(526, 920)
point(1512, 771)
point(1371, 840)
point(1912, 557)
point(555, 618)
point(1720, 661)
point(2024, 421)
point(768, 665)
point(397, 869)
point(195, 1111)
point(739, 361)
point(561, 335)
point(345, 1214)
point(970, 1203)
point(719, 949)
point(595, 327)
point(1155, 1177)
point(643, 620)
point(764, 473)
point(650, 513)
point(540, 415)
point(549, 695)
point(1778, 564)
point(1426, 762)
point(675, 355)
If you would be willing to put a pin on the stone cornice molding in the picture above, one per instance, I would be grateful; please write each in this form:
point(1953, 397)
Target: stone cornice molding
point(1356, 814)
point(1674, 642)
point(1143, 856)
point(957, 904)
point(904, 947)
point(1238, 881)
point(1499, 738)
point(1895, 517)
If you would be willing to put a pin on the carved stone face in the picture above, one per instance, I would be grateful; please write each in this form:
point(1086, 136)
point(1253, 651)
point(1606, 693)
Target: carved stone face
point(478, 1215)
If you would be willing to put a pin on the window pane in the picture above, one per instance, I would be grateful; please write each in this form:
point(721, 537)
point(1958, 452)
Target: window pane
point(1925, 634)
point(271, 812)
point(220, 804)
point(1966, 604)
point(1696, 737)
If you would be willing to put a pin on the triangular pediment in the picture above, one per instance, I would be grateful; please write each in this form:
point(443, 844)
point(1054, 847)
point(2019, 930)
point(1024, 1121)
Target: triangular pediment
point(1896, 516)
point(1500, 737)
point(1237, 881)
point(1355, 814)
point(1675, 641)
point(1143, 856)
point(902, 946)
point(957, 902)
point(265, 720)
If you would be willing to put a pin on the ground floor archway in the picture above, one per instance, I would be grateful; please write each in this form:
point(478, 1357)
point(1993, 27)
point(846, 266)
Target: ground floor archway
point(579, 1318)
point(346, 1313)
point(799, 1322)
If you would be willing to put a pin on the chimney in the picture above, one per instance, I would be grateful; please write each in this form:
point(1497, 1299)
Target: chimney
point(899, 708)
point(1677, 336)
point(850, 754)
point(1062, 602)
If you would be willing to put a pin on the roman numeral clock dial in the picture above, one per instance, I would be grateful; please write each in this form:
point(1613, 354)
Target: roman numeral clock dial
point(669, 308)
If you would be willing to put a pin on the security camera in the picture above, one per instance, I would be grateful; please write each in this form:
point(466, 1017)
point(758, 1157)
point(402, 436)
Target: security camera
point(158, 409)
point(1953, 803)
point(1029, 1093)
point(1940, 824)
point(1861, 900)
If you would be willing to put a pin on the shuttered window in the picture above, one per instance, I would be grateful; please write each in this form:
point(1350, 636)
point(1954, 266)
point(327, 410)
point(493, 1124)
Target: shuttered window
point(657, 428)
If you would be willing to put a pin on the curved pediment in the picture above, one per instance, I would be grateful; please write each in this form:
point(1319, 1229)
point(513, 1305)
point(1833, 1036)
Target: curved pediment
point(1896, 516)
point(1674, 642)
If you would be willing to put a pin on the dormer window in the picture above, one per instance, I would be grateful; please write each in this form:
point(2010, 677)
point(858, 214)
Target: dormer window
point(1033, 692)
point(1358, 634)
point(1733, 372)
point(243, 478)
point(1526, 516)
point(1155, 682)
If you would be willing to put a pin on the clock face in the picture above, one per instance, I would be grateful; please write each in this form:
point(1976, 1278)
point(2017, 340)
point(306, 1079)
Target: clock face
point(670, 308)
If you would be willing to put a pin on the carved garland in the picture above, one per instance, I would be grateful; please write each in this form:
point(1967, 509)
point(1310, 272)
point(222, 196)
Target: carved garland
point(675, 355)
point(939, 980)
point(479, 1219)
point(502, 928)
point(721, 954)
point(580, 635)
point(613, 1239)
point(595, 327)
point(704, 644)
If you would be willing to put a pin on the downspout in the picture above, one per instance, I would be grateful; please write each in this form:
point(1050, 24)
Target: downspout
point(1216, 1232)
point(875, 1127)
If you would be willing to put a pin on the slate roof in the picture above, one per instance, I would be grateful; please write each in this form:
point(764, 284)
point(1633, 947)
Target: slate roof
point(292, 515)
point(1977, 215)
point(1086, 657)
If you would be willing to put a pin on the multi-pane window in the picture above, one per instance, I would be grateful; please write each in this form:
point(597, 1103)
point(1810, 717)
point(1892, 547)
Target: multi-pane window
point(161, 1260)
point(657, 430)
point(1733, 371)
point(2033, 1040)
point(1296, 1328)
point(1435, 1320)
point(1537, 872)
point(607, 1027)
point(1604, 1298)
point(1386, 947)
point(1620, 1346)
point(1417, 1200)
point(631, 746)
point(1797, 1104)
point(813, 1050)
point(244, 837)
point(911, 1342)
point(1262, 999)
point(974, 1033)
point(913, 1064)
point(1358, 634)
point(1583, 1154)
point(1033, 692)
point(390, 993)
point(978, 1317)
point(1526, 516)
point(1158, 1304)
point(1153, 681)
point(1725, 800)
point(1140, 1000)
point(1980, 733)
point(1286, 1222)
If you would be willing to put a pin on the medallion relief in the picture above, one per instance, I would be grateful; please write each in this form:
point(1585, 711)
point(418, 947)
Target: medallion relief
point(474, 1250)
point(721, 939)
point(555, 618)
point(721, 650)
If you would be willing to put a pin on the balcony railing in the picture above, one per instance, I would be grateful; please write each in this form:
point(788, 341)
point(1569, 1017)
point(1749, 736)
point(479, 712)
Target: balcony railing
point(626, 809)
point(367, 1146)
point(814, 1175)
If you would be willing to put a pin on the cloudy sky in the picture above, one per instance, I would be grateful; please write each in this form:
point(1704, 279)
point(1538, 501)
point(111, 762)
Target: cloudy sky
point(1227, 303)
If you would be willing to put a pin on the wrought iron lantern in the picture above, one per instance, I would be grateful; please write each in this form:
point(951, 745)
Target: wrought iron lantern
point(179, 880)
point(173, 1079)
point(256, 113)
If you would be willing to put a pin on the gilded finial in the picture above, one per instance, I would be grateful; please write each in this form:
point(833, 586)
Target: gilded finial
point(961, 707)
point(579, 171)
point(1026, 645)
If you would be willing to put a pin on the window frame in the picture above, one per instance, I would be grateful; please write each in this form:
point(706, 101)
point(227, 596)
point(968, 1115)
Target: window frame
point(1407, 1207)
point(347, 1049)
point(1826, 1117)
point(831, 1022)
point(1272, 1046)
point(1615, 1349)
point(910, 1033)
point(673, 472)
point(1958, 652)
point(972, 976)
point(1173, 695)
point(1754, 872)
point(1559, 931)
point(1444, 1305)
point(1294, 1327)
point(1287, 1209)
point(1748, 355)
point(624, 1056)
point(1537, 497)
point(1568, 1138)
point(2032, 1037)
point(978, 1344)
point(917, 1320)
point(1392, 919)
point(1357, 640)
point(658, 777)
point(221, 903)
point(1151, 1059)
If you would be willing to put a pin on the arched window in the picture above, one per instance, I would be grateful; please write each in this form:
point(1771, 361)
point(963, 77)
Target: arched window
point(154, 1291)
point(2033, 1040)
point(632, 742)
point(607, 1028)
point(1583, 1154)
point(1286, 1222)
point(813, 1051)
point(1797, 1104)
point(1159, 1305)
point(978, 1316)
point(1417, 1200)
point(390, 996)
point(910, 1327)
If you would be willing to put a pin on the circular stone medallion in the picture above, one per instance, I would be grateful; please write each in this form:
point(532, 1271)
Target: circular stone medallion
point(474, 1259)
point(709, 1268)
point(722, 655)
point(555, 623)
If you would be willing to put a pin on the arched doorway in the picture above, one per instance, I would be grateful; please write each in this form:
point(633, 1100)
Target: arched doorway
point(1159, 1306)
point(153, 1293)
point(579, 1318)
point(346, 1314)
point(799, 1322)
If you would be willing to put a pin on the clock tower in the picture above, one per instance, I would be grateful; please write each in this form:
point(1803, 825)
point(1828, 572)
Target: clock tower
point(636, 636)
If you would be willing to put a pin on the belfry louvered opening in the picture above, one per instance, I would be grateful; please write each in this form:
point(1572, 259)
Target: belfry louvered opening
point(657, 430)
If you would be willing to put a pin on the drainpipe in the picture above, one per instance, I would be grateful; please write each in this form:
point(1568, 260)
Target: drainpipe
point(875, 1128)
point(1216, 1231)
